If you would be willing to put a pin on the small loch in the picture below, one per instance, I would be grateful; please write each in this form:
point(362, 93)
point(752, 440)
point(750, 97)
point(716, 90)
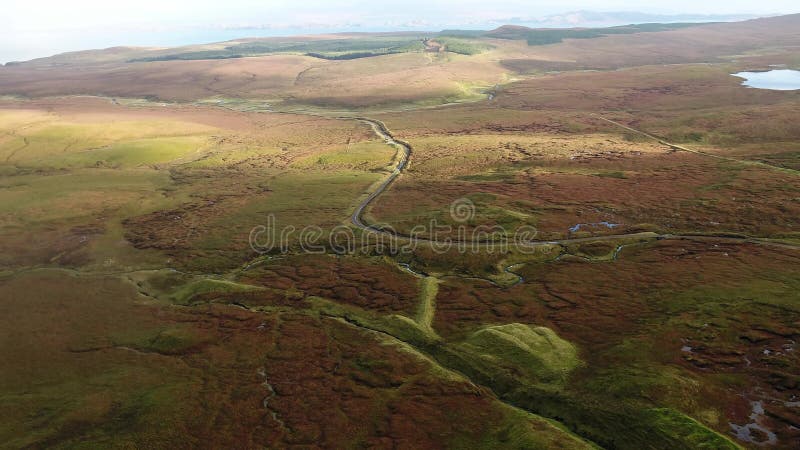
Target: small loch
point(776, 80)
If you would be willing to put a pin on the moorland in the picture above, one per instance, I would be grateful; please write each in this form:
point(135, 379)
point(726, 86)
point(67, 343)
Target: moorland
point(657, 305)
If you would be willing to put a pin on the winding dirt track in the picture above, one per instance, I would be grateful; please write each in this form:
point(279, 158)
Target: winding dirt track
point(380, 129)
point(383, 132)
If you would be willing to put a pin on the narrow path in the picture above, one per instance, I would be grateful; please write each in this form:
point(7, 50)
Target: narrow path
point(380, 129)
point(25, 144)
point(697, 152)
point(15, 134)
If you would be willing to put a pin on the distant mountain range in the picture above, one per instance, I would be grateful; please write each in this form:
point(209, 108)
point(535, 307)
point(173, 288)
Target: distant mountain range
point(607, 19)
point(571, 19)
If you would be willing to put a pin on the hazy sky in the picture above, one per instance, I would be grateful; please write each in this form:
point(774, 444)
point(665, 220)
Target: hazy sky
point(42, 27)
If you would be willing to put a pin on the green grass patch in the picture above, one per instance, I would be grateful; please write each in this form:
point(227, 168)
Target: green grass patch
point(186, 294)
point(536, 355)
point(464, 46)
point(69, 144)
point(689, 431)
point(369, 156)
point(333, 49)
point(553, 36)
point(522, 430)
point(135, 153)
point(396, 325)
point(35, 199)
point(429, 287)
